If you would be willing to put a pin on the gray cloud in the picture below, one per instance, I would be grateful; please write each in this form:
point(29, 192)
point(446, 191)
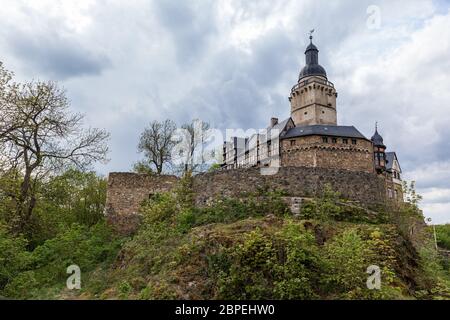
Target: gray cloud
point(190, 24)
point(58, 57)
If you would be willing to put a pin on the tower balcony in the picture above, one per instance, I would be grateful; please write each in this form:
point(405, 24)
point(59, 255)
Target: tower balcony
point(303, 83)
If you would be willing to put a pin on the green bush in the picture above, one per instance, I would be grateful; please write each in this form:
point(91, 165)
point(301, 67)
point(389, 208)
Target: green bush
point(285, 266)
point(14, 257)
point(346, 258)
point(443, 236)
point(78, 245)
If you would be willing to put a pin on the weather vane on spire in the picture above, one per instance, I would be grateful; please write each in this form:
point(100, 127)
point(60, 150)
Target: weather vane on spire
point(311, 34)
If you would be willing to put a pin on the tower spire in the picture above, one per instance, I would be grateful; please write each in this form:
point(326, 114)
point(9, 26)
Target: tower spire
point(311, 35)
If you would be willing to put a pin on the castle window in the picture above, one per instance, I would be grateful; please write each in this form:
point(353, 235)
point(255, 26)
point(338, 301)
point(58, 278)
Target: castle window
point(324, 139)
point(292, 142)
point(334, 140)
point(353, 141)
point(390, 194)
point(306, 113)
point(345, 141)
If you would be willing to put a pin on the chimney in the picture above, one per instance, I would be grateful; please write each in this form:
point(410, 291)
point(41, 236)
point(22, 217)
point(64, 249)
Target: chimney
point(273, 122)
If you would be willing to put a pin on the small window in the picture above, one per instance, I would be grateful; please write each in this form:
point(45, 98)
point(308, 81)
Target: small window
point(292, 142)
point(323, 111)
point(334, 140)
point(345, 141)
point(306, 113)
point(390, 194)
point(353, 141)
point(324, 139)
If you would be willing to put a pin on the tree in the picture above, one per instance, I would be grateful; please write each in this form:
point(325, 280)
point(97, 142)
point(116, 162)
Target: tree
point(191, 146)
point(157, 143)
point(40, 136)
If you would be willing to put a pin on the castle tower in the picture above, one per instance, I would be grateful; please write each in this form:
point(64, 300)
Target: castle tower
point(379, 151)
point(313, 98)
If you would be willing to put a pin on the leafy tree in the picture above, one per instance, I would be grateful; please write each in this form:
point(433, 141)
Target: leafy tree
point(40, 136)
point(157, 143)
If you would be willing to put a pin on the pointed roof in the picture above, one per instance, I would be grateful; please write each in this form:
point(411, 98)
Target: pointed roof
point(312, 67)
point(377, 139)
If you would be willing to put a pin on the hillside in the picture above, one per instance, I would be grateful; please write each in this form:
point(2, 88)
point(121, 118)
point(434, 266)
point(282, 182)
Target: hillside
point(248, 248)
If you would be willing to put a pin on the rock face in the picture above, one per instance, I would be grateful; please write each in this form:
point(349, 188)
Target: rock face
point(126, 191)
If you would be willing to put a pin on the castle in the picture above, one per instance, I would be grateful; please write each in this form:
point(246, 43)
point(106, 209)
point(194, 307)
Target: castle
point(311, 137)
point(309, 150)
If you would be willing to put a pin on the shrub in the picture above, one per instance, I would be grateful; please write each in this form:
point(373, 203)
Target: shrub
point(79, 245)
point(14, 257)
point(285, 266)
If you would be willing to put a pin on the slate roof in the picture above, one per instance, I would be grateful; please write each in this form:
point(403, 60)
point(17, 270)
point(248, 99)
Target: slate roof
point(377, 139)
point(279, 126)
point(324, 130)
point(390, 157)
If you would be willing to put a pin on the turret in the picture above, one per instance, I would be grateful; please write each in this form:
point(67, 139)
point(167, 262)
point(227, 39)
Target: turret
point(379, 151)
point(313, 98)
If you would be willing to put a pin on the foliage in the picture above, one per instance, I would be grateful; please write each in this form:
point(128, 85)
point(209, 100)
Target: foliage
point(410, 194)
point(143, 167)
point(157, 143)
point(14, 257)
point(72, 197)
point(434, 279)
point(214, 167)
point(227, 210)
point(46, 267)
point(443, 236)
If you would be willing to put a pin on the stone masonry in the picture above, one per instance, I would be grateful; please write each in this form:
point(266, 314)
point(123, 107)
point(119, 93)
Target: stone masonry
point(126, 191)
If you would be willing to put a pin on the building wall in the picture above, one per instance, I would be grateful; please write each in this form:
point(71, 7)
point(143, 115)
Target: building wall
point(311, 151)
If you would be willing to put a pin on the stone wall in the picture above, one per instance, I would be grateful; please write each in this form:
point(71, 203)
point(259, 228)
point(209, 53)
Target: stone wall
point(367, 188)
point(126, 191)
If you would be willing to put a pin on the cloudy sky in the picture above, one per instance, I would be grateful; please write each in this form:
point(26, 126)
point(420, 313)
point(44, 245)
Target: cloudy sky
point(232, 63)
